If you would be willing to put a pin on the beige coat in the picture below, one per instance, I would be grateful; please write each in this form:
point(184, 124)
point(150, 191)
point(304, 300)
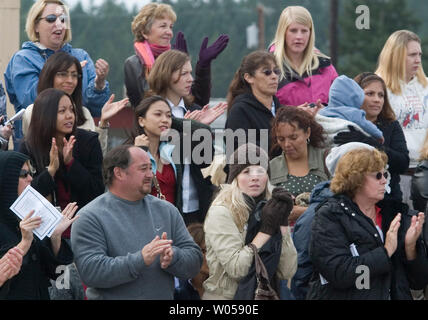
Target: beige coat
point(229, 260)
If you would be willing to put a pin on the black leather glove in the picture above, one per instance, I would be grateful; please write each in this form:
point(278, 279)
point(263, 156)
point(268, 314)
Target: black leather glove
point(354, 135)
point(286, 203)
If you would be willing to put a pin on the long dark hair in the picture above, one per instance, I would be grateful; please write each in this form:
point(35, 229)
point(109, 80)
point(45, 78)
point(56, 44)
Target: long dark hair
point(141, 111)
point(293, 115)
point(364, 79)
point(249, 64)
point(43, 126)
point(61, 61)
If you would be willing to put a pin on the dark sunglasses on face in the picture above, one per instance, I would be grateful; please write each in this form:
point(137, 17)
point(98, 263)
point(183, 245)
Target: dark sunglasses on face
point(268, 72)
point(25, 173)
point(380, 174)
point(51, 18)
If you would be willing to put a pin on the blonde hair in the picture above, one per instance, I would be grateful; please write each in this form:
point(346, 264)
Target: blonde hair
point(392, 60)
point(215, 170)
point(143, 21)
point(35, 13)
point(352, 168)
point(231, 197)
point(424, 150)
point(310, 61)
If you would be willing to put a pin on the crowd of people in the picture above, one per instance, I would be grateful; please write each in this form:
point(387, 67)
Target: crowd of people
point(325, 177)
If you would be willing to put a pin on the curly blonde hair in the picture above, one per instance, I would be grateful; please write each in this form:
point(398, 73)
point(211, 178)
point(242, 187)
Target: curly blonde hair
point(352, 168)
point(143, 21)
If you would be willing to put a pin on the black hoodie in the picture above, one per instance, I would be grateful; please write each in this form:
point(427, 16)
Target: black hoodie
point(39, 264)
point(249, 113)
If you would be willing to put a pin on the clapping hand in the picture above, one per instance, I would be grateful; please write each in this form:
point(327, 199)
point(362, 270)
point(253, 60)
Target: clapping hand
point(156, 247)
point(10, 264)
point(67, 149)
point(412, 235)
point(27, 225)
point(167, 255)
point(194, 115)
point(391, 235)
point(53, 159)
point(67, 219)
point(110, 109)
point(101, 70)
point(207, 115)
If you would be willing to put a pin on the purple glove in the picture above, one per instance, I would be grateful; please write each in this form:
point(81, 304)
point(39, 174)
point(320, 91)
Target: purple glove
point(180, 43)
point(206, 55)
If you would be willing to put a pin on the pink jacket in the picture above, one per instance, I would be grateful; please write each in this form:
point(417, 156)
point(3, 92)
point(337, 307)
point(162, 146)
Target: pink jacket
point(296, 90)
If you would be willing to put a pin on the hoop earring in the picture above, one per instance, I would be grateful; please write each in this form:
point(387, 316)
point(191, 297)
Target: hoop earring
point(308, 140)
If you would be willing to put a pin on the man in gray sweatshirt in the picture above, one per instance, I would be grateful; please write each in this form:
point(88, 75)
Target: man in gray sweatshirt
point(128, 244)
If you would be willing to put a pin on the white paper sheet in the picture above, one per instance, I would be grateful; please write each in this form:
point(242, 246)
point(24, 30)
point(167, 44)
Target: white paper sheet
point(29, 200)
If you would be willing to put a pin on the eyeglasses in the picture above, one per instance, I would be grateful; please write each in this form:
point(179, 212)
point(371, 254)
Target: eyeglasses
point(268, 72)
point(25, 173)
point(51, 18)
point(379, 175)
point(66, 74)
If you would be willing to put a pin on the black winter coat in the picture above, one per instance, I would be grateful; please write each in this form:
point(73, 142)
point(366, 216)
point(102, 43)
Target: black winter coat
point(84, 177)
point(136, 82)
point(38, 265)
point(204, 186)
point(249, 113)
point(339, 223)
point(398, 155)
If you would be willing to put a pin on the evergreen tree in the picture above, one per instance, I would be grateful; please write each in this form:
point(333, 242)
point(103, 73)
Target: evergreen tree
point(359, 49)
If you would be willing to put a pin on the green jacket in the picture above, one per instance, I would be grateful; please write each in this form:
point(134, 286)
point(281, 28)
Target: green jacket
point(316, 156)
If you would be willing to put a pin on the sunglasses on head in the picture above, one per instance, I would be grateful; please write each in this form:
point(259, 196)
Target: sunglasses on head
point(51, 18)
point(379, 175)
point(268, 72)
point(25, 173)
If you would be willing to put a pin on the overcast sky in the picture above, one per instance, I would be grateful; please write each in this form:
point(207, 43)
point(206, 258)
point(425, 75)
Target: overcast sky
point(129, 3)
